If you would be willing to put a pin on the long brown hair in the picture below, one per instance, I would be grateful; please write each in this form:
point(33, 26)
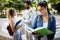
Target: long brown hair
point(10, 13)
point(44, 4)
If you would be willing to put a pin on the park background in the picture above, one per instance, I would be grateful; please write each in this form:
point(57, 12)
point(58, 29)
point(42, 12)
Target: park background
point(54, 7)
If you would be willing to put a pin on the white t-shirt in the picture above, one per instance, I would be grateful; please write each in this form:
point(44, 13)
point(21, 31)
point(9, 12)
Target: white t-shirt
point(28, 16)
point(45, 25)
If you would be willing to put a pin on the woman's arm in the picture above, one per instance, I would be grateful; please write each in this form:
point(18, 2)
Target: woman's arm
point(54, 24)
point(12, 25)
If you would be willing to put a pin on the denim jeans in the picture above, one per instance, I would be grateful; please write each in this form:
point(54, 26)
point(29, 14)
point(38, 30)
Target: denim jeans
point(17, 35)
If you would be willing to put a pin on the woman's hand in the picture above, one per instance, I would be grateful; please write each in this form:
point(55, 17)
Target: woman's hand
point(36, 35)
point(13, 29)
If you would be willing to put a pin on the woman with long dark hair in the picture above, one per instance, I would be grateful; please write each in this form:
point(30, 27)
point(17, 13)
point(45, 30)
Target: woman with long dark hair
point(45, 19)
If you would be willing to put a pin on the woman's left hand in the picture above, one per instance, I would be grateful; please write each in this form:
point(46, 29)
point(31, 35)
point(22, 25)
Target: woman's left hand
point(36, 35)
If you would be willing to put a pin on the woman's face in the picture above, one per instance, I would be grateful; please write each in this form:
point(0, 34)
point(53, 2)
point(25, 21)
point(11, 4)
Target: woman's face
point(14, 14)
point(43, 10)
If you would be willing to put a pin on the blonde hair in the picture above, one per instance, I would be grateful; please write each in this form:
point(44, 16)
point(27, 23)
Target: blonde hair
point(10, 12)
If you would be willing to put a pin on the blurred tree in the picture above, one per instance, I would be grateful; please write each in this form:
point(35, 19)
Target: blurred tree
point(55, 4)
point(2, 5)
point(17, 4)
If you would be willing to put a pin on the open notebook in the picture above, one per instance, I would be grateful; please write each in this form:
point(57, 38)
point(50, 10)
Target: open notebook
point(42, 31)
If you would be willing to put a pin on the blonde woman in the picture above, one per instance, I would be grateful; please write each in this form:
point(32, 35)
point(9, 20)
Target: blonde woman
point(17, 33)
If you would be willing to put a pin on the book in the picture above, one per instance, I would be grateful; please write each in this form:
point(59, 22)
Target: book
point(41, 31)
point(18, 22)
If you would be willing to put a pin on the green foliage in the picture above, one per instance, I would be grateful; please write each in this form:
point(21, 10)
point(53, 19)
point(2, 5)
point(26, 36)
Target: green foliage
point(3, 16)
point(55, 4)
point(17, 4)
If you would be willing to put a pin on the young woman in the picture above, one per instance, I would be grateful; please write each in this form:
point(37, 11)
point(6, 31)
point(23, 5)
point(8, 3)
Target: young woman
point(45, 19)
point(17, 33)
